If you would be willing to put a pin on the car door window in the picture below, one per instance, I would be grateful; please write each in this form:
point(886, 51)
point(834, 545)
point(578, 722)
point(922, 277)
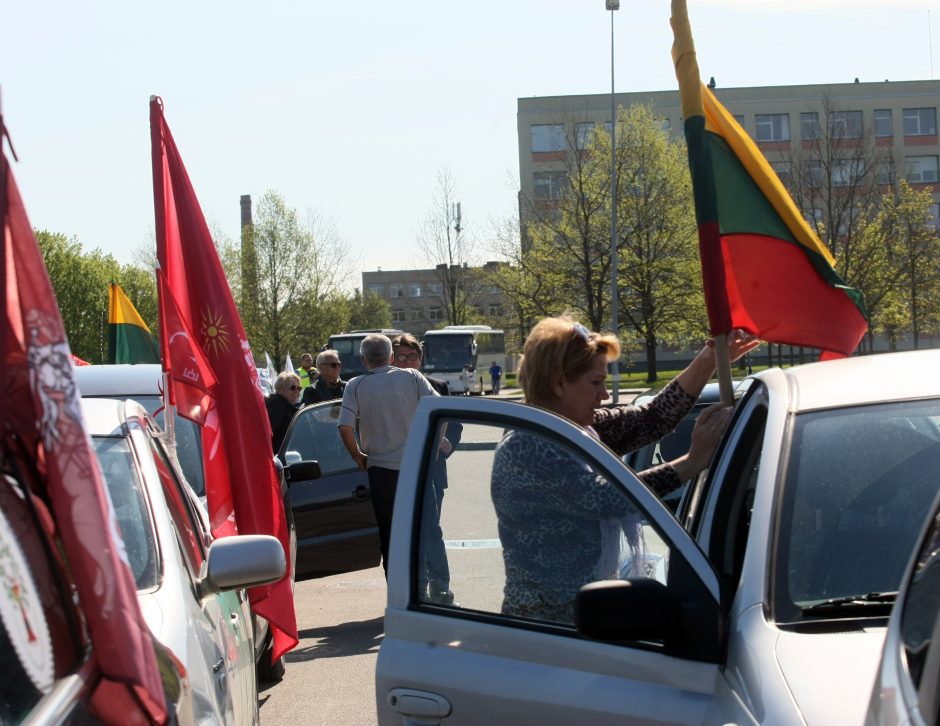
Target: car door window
point(314, 436)
point(513, 521)
point(184, 519)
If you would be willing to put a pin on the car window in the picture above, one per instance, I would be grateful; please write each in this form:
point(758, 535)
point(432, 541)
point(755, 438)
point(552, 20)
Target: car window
point(184, 519)
point(514, 521)
point(127, 498)
point(40, 628)
point(858, 482)
point(920, 620)
point(314, 436)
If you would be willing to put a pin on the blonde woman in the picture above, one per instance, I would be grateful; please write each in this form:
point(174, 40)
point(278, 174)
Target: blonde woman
point(281, 406)
point(560, 523)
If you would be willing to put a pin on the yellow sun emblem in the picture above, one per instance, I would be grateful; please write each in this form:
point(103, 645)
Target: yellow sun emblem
point(215, 334)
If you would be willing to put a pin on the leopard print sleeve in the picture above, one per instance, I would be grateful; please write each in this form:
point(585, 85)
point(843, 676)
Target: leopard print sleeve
point(627, 428)
point(660, 479)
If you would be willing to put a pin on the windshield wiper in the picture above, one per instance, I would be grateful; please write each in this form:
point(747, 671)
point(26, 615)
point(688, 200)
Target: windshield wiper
point(863, 602)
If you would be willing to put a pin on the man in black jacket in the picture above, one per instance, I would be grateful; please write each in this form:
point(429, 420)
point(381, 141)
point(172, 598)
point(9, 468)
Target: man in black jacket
point(328, 385)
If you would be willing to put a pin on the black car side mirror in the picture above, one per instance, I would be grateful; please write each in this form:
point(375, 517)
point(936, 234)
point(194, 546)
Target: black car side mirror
point(302, 471)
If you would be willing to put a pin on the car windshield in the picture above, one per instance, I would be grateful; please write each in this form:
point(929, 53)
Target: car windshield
point(188, 442)
point(127, 498)
point(859, 482)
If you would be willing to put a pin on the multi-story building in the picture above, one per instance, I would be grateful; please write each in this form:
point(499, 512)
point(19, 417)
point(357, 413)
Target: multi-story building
point(899, 116)
point(417, 297)
point(891, 125)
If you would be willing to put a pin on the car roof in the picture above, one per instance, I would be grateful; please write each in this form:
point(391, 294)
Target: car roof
point(862, 379)
point(106, 416)
point(119, 380)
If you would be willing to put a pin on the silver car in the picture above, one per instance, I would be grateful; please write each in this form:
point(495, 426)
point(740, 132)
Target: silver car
point(766, 602)
point(188, 585)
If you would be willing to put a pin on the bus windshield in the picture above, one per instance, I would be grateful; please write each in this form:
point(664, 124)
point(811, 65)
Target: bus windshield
point(348, 348)
point(449, 352)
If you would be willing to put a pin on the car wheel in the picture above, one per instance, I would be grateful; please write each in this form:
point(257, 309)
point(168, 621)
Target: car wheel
point(270, 672)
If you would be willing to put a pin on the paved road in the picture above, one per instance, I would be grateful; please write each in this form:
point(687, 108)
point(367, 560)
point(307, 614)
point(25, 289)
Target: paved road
point(330, 675)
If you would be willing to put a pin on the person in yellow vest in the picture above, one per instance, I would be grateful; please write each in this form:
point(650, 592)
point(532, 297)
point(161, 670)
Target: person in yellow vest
point(307, 372)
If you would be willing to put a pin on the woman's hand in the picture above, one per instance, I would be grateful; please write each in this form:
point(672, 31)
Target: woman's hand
point(740, 343)
point(709, 427)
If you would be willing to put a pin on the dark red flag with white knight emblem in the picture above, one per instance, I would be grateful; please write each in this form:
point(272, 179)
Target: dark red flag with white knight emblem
point(242, 487)
point(40, 412)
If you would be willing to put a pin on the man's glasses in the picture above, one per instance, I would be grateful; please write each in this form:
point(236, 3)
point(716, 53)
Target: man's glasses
point(581, 331)
point(294, 388)
point(332, 365)
point(405, 357)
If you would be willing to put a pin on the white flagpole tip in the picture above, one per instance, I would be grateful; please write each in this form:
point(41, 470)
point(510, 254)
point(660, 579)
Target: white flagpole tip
point(153, 97)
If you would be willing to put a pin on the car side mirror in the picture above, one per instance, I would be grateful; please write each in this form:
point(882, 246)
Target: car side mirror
point(302, 471)
point(241, 561)
point(633, 609)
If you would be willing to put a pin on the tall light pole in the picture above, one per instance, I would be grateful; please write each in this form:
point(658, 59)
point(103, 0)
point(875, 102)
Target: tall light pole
point(615, 393)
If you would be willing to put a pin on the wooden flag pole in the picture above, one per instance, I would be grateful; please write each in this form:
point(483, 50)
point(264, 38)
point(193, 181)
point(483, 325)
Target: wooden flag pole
point(723, 369)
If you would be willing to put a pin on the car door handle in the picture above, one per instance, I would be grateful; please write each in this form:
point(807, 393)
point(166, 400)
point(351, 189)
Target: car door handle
point(421, 705)
point(360, 492)
point(236, 623)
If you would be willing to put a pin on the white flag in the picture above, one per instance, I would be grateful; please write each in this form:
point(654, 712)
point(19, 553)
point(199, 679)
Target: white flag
point(270, 370)
point(288, 366)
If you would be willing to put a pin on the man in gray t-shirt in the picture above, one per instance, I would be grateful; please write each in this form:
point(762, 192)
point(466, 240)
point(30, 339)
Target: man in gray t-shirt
point(382, 402)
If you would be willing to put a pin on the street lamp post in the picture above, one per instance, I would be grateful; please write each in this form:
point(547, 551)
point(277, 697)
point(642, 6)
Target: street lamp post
point(615, 392)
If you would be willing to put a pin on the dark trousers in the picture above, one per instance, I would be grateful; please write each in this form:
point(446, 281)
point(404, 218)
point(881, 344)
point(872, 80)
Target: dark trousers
point(383, 483)
point(435, 575)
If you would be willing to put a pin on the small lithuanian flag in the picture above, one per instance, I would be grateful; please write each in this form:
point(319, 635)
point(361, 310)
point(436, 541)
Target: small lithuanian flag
point(129, 338)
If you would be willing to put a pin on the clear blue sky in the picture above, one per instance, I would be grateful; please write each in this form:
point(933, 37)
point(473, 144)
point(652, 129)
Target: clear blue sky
point(349, 109)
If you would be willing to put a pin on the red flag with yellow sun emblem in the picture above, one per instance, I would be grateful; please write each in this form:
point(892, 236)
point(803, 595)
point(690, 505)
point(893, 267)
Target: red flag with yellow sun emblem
point(242, 487)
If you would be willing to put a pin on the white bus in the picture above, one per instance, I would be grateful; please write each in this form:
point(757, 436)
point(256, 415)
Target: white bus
point(447, 351)
point(347, 345)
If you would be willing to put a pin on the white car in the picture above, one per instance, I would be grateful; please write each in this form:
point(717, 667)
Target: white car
point(187, 584)
point(907, 689)
point(768, 603)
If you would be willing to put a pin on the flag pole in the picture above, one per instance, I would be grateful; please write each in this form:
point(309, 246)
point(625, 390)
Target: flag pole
point(723, 369)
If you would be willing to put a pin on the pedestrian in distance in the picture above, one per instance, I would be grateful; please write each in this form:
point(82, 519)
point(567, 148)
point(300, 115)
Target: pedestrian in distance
point(382, 403)
point(542, 491)
point(434, 577)
point(465, 380)
point(307, 373)
point(328, 384)
point(281, 406)
point(496, 374)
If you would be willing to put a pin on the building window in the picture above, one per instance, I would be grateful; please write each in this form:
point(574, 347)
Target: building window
point(396, 289)
point(884, 174)
point(846, 172)
point(435, 288)
point(414, 289)
point(772, 126)
point(883, 125)
point(812, 172)
point(783, 170)
point(549, 184)
point(398, 316)
point(920, 169)
point(667, 126)
point(584, 134)
point(845, 124)
point(548, 137)
point(377, 290)
point(809, 126)
point(814, 217)
point(739, 117)
point(436, 314)
point(934, 216)
point(920, 121)
point(416, 315)
point(496, 311)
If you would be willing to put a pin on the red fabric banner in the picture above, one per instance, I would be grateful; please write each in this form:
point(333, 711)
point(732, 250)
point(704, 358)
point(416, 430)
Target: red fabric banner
point(242, 486)
point(40, 408)
point(189, 374)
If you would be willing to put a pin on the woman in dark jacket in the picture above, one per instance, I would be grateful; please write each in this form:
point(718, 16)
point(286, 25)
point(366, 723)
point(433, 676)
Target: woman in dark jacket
point(281, 406)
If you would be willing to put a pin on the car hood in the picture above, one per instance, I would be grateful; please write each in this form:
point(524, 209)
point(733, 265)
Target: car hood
point(830, 675)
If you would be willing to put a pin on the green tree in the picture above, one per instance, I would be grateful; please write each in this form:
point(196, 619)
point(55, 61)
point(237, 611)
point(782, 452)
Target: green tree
point(367, 311)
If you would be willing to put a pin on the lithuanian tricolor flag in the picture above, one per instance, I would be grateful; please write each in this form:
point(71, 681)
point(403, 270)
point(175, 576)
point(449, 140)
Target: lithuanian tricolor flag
point(129, 338)
point(763, 267)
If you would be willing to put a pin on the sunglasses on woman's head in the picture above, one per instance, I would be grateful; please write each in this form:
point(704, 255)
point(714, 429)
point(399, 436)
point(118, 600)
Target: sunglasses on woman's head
point(581, 331)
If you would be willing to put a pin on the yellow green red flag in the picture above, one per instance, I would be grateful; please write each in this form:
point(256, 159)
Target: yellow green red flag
point(764, 269)
point(129, 338)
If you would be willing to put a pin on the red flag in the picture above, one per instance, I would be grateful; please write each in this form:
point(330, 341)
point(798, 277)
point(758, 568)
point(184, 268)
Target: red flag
point(190, 376)
point(242, 486)
point(76, 361)
point(39, 407)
